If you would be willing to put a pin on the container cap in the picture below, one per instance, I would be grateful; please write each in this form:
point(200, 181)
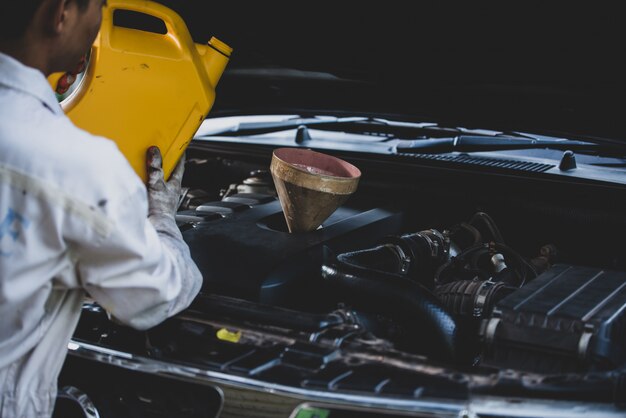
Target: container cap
point(220, 46)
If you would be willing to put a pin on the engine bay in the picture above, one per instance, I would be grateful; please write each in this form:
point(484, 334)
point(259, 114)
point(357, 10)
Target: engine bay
point(452, 291)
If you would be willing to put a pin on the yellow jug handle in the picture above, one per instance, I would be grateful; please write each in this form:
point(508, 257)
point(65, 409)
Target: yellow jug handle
point(176, 27)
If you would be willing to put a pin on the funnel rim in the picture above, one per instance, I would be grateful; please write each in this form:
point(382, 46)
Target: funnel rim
point(308, 173)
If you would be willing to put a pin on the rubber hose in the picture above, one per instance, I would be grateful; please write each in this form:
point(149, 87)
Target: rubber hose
point(402, 298)
point(381, 258)
point(460, 297)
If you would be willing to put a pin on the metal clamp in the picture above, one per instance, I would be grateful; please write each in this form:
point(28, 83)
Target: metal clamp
point(405, 261)
point(481, 298)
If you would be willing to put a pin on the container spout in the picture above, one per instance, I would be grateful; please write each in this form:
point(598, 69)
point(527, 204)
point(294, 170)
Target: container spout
point(215, 56)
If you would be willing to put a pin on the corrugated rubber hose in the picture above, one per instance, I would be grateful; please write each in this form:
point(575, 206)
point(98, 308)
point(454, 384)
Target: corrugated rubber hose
point(377, 291)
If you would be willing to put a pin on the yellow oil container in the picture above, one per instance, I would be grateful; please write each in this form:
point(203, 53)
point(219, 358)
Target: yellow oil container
point(142, 88)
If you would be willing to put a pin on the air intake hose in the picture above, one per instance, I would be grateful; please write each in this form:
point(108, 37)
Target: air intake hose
point(416, 256)
point(473, 298)
point(435, 330)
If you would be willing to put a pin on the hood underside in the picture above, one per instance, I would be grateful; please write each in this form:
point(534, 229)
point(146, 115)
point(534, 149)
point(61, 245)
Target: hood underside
point(537, 69)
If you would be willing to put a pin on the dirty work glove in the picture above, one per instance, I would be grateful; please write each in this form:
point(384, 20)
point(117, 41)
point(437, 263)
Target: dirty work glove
point(163, 196)
point(163, 200)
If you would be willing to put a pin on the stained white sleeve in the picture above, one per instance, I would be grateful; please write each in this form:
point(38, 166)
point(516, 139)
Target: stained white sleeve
point(140, 274)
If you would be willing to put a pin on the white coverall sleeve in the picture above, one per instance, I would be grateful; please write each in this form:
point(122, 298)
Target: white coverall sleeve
point(141, 272)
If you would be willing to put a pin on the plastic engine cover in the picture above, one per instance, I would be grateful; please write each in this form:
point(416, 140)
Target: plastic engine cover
point(570, 318)
point(250, 255)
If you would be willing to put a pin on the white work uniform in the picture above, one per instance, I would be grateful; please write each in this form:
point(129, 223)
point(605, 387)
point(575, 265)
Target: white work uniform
point(73, 219)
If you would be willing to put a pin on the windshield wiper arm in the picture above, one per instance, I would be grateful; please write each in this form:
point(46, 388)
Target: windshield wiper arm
point(258, 128)
point(470, 143)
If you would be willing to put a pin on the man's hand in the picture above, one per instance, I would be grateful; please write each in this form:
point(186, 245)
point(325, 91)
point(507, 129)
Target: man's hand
point(163, 197)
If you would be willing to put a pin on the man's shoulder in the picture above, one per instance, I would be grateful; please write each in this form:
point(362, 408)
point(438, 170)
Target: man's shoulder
point(54, 150)
point(97, 162)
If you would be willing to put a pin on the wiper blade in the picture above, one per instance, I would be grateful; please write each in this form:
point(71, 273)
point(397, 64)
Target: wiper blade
point(258, 128)
point(470, 143)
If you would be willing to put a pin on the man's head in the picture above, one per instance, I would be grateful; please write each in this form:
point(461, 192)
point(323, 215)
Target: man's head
point(51, 35)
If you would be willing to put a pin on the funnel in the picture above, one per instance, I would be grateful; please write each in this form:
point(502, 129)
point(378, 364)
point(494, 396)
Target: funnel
point(311, 185)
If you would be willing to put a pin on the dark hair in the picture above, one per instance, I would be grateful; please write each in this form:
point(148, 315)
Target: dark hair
point(17, 14)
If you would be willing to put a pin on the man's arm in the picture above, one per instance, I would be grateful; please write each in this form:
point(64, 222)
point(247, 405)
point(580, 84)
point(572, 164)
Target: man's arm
point(163, 201)
point(143, 272)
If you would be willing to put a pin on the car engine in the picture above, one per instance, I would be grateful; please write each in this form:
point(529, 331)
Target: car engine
point(437, 284)
point(454, 292)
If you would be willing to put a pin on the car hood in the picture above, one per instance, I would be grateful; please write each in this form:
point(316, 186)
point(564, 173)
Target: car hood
point(542, 70)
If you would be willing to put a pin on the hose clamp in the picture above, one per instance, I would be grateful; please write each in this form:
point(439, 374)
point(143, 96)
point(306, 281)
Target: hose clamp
point(481, 297)
point(405, 260)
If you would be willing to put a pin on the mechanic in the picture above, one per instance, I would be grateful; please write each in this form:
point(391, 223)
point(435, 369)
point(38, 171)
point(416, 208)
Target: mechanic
point(75, 218)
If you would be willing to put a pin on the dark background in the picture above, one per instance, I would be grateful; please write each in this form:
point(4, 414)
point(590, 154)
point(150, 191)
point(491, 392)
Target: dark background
point(551, 66)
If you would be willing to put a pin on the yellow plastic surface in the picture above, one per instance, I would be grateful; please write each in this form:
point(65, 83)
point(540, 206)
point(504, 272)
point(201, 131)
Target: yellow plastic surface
point(227, 335)
point(143, 88)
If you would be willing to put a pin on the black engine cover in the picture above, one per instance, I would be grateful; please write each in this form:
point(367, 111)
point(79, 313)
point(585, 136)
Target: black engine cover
point(249, 254)
point(569, 318)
